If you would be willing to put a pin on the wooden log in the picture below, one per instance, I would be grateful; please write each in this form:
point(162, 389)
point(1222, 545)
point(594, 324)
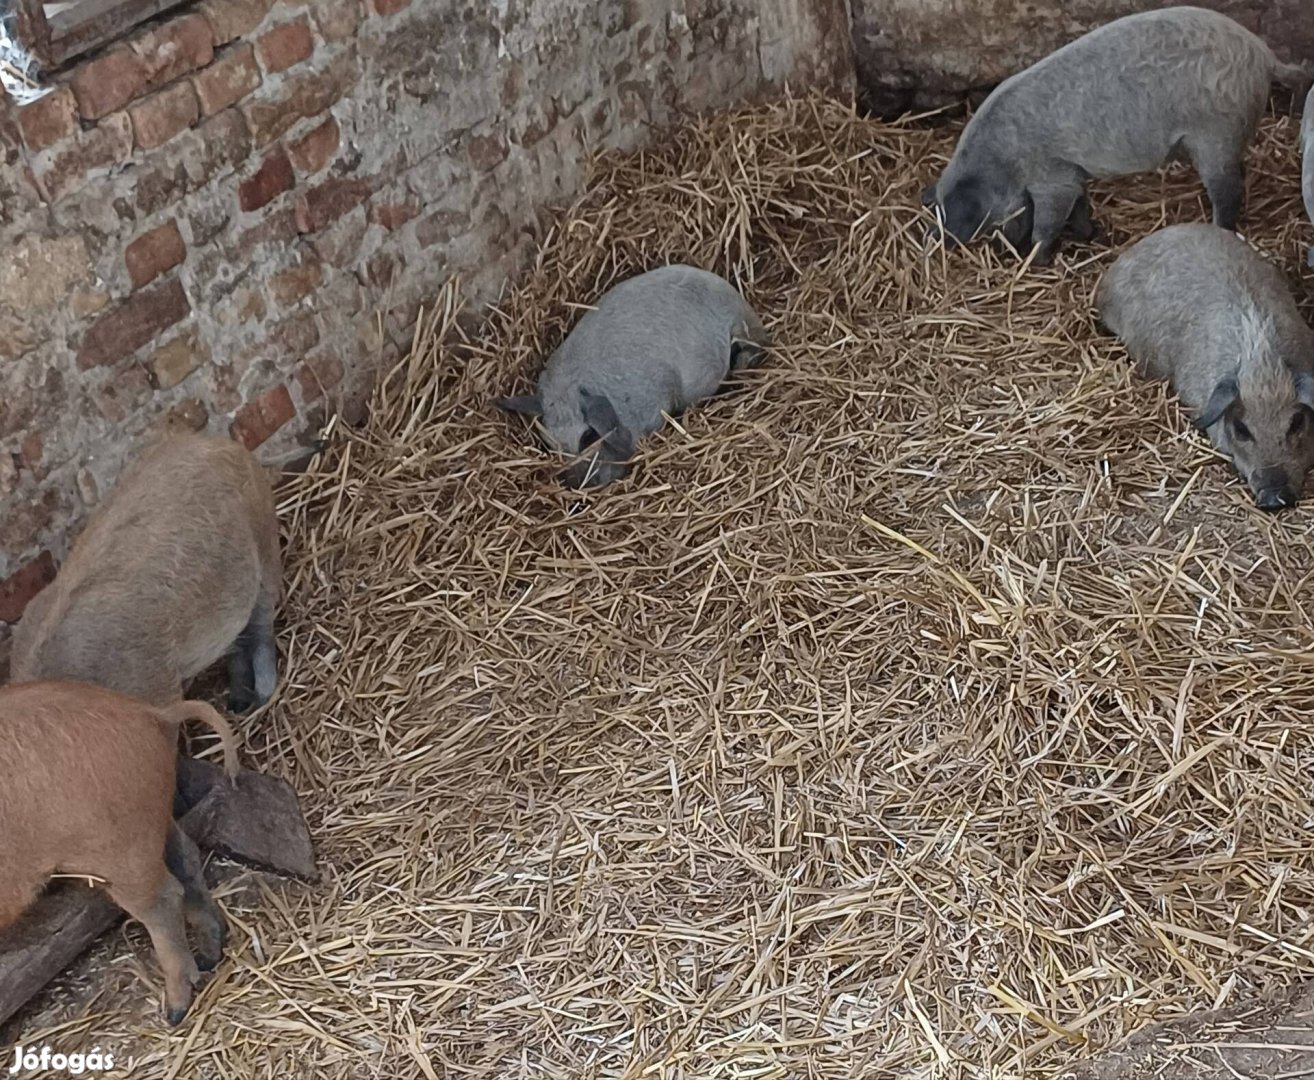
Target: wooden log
point(256, 821)
point(49, 937)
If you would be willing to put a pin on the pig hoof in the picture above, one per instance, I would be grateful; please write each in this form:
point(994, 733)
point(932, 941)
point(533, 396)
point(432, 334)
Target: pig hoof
point(209, 960)
point(238, 704)
point(1309, 257)
point(175, 1016)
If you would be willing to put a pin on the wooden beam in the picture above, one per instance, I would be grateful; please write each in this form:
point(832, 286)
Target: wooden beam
point(71, 30)
point(54, 933)
point(32, 30)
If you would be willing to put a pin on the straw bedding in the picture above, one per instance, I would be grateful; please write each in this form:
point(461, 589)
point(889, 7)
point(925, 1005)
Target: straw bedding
point(933, 704)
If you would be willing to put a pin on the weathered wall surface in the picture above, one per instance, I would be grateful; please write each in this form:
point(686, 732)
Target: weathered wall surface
point(229, 219)
point(917, 54)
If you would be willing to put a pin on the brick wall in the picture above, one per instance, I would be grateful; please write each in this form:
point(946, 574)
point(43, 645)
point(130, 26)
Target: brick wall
point(229, 218)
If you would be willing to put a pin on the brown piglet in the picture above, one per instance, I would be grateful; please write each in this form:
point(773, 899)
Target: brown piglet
point(88, 791)
point(180, 566)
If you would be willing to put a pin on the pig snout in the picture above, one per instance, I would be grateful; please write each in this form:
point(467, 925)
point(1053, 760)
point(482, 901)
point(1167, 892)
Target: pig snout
point(591, 473)
point(936, 235)
point(1273, 490)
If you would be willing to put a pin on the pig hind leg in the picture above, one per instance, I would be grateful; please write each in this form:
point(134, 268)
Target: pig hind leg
point(253, 664)
point(1220, 163)
point(154, 897)
point(183, 859)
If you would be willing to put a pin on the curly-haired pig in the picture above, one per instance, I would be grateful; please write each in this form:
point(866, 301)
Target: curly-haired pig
point(179, 567)
point(654, 344)
point(1307, 164)
point(1194, 304)
point(1132, 95)
point(88, 791)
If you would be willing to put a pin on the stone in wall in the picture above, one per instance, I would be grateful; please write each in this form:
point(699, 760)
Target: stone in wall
point(922, 54)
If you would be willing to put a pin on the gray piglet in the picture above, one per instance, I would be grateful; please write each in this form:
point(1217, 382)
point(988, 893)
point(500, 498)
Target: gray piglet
point(1194, 304)
point(656, 343)
point(1178, 83)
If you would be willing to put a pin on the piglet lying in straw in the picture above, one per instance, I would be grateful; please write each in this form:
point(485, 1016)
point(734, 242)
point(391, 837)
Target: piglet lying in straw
point(1307, 164)
point(180, 566)
point(654, 344)
point(1179, 83)
point(89, 792)
point(1195, 305)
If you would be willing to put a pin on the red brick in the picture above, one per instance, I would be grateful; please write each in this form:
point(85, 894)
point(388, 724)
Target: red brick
point(389, 7)
point(158, 118)
point(257, 420)
point(16, 339)
point(137, 322)
point(268, 182)
point(487, 151)
point(189, 415)
point(223, 380)
point(49, 120)
point(303, 95)
point(299, 334)
point(285, 45)
point(154, 253)
point(441, 227)
point(232, 19)
point(393, 216)
point(174, 361)
point(17, 590)
point(314, 150)
point(297, 282)
point(174, 49)
point(108, 83)
point(275, 230)
point(318, 374)
point(338, 19)
point(32, 450)
point(227, 80)
point(381, 269)
point(108, 143)
point(340, 243)
point(541, 118)
point(125, 394)
point(216, 147)
point(329, 201)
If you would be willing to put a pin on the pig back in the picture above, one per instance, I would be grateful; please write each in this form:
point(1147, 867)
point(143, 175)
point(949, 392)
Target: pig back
point(163, 578)
point(1179, 298)
point(661, 340)
point(1121, 98)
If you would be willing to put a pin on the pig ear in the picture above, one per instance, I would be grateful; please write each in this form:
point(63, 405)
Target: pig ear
point(530, 404)
point(600, 415)
point(928, 195)
point(1305, 389)
point(1222, 399)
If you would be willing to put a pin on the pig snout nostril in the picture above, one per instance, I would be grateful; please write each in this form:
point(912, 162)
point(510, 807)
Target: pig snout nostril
point(1275, 498)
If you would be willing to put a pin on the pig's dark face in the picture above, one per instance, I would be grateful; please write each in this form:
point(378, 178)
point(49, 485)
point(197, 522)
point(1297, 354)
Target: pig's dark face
point(1270, 435)
point(593, 471)
point(973, 206)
